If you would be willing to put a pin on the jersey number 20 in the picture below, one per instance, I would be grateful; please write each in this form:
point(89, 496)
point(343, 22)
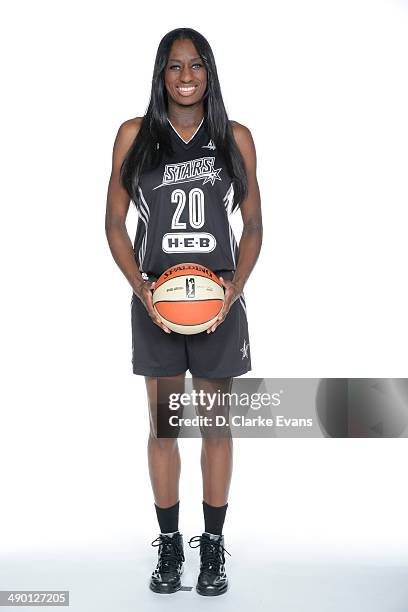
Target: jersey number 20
point(195, 208)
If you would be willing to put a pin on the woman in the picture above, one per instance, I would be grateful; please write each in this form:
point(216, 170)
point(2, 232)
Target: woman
point(186, 167)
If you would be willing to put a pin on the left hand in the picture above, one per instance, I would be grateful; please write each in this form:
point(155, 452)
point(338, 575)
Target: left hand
point(232, 293)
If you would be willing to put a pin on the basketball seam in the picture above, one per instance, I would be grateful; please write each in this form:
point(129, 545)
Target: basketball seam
point(189, 301)
point(186, 324)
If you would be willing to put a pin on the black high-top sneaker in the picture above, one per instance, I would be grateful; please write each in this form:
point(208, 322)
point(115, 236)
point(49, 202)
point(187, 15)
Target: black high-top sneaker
point(166, 577)
point(212, 579)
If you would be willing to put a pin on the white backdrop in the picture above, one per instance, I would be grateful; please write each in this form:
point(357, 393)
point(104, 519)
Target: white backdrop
point(322, 86)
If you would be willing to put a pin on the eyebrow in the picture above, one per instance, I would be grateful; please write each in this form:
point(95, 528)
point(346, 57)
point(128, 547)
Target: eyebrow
point(171, 59)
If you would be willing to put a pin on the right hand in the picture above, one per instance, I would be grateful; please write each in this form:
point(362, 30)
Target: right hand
point(145, 295)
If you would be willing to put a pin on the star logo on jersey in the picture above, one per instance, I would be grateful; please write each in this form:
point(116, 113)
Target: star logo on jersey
point(213, 176)
point(244, 349)
point(191, 170)
point(210, 145)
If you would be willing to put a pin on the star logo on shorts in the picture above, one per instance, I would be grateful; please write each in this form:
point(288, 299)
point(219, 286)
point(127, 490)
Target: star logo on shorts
point(244, 349)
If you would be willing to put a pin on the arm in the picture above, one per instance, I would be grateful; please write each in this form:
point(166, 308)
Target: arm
point(117, 207)
point(251, 238)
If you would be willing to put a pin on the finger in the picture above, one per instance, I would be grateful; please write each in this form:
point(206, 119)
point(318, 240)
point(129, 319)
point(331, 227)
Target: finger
point(152, 312)
point(212, 328)
point(223, 312)
point(149, 298)
point(164, 326)
point(159, 322)
point(220, 319)
point(220, 315)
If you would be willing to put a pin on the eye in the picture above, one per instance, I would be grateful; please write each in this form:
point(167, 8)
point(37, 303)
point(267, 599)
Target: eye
point(193, 65)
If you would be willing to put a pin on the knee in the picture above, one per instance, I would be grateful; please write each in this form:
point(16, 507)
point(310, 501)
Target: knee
point(210, 443)
point(163, 444)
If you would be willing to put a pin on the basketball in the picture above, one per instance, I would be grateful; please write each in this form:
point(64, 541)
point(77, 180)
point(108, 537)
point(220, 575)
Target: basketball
point(188, 298)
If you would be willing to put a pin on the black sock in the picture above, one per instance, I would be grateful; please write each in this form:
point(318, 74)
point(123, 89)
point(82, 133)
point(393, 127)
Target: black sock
point(214, 517)
point(168, 518)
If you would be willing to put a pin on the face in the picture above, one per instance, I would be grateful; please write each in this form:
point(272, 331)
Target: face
point(185, 74)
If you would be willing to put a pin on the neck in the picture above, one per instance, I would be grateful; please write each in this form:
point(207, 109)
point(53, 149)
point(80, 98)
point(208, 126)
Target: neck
point(185, 116)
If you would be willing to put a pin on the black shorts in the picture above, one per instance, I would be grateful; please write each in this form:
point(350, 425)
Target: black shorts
point(219, 354)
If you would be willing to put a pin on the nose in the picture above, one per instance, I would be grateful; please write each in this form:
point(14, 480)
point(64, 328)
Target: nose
point(185, 75)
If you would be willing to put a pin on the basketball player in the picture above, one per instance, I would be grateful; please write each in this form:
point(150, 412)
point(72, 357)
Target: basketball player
point(186, 167)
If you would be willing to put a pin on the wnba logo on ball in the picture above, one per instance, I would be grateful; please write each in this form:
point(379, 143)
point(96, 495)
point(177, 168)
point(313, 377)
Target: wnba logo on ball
point(190, 287)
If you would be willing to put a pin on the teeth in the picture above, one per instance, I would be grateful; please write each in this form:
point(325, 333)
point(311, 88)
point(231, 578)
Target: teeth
point(186, 88)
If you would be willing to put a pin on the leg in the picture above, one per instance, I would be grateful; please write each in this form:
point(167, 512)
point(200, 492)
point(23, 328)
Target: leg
point(164, 469)
point(217, 447)
point(163, 453)
point(216, 466)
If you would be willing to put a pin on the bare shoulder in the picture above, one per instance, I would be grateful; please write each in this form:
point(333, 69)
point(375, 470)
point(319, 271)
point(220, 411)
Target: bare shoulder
point(128, 130)
point(242, 134)
point(125, 136)
point(245, 143)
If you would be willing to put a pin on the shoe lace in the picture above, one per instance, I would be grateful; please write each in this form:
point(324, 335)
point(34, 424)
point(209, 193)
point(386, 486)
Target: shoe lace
point(211, 552)
point(170, 553)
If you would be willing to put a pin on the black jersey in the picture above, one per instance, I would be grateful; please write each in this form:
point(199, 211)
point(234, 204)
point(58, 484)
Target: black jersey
point(185, 205)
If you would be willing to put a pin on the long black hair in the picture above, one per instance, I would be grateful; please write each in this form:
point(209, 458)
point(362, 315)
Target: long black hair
point(153, 138)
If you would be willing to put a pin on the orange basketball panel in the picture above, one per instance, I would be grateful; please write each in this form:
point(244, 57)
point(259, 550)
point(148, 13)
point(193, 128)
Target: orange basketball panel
point(189, 313)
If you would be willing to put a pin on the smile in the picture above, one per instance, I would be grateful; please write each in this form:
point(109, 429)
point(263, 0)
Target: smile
point(187, 91)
